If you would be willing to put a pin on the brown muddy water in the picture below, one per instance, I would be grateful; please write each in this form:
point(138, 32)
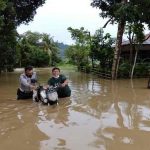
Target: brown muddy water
point(100, 115)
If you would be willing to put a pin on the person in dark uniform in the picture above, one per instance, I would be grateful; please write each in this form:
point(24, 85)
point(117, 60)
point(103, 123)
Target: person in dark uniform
point(27, 83)
point(61, 81)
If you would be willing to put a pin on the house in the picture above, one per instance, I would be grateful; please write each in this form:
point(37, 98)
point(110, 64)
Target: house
point(143, 49)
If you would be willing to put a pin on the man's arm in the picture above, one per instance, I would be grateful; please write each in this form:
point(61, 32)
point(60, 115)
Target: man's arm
point(24, 82)
point(34, 79)
point(65, 81)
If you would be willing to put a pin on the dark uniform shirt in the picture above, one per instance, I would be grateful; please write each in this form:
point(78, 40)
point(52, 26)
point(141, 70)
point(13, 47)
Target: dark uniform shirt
point(62, 91)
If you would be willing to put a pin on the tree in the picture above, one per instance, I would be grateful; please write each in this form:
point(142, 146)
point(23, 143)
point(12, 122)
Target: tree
point(122, 11)
point(101, 49)
point(2, 7)
point(116, 12)
point(12, 14)
point(7, 38)
point(82, 47)
point(96, 47)
point(51, 48)
point(25, 10)
point(36, 49)
point(23, 50)
point(32, 37)
point(77, 55)
point(136, 38)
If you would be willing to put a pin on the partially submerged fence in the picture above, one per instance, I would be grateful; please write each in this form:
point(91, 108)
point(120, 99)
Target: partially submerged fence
point(95, 71)
point(107, 74)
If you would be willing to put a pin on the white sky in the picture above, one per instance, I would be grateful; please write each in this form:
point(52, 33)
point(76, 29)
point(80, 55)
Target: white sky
point(55, 16)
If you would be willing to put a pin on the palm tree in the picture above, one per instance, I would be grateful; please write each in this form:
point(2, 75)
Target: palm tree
point(50, 47)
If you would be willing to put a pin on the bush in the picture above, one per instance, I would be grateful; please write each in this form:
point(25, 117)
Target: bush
point(88, 68)
point(142, 69)
point(39, 58)
point(124, 70)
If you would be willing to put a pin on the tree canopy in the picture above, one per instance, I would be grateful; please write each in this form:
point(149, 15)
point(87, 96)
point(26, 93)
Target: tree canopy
point(133, 12)
point(130, 10)
point(12, 14)
point(36, 49)
point(90, 49)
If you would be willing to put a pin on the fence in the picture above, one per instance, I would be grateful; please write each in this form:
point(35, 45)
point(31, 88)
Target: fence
point(95, 71)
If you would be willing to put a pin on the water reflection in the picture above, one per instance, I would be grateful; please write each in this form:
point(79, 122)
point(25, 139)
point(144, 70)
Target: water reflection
point(100, 114)
point(17, 126)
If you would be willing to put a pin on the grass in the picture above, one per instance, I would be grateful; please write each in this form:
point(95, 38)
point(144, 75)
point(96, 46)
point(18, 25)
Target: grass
point(67, 66)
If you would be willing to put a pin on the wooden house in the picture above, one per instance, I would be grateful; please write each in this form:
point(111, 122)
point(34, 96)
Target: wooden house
point(143, 49)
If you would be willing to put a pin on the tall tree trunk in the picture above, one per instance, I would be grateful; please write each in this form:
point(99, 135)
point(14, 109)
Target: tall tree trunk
point(92, 59)
point(117, 51)
point(131, 60)
point(135, 58)
point(121, 27)
point(131, 54)
point(92, 62)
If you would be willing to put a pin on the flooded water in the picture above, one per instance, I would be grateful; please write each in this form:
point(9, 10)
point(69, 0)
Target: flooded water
point(100, 115)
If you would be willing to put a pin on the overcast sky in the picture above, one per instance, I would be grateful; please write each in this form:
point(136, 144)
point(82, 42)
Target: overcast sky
point(55, 16)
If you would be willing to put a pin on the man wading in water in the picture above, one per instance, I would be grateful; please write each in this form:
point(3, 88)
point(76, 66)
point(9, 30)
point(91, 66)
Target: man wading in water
point(27, 83)
point(61, 82)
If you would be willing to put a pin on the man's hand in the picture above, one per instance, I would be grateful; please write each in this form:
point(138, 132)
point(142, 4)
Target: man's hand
point(64, 84)
point(45, 87)
point(32, 87)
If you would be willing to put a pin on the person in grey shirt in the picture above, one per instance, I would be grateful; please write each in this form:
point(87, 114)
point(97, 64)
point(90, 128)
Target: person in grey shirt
point(27, 82)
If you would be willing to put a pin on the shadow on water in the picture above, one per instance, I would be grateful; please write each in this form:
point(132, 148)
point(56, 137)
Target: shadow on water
point(100, 114)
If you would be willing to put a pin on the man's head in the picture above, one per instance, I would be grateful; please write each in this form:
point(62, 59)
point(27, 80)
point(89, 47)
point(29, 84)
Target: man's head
point(28, 71)
point(55, 72)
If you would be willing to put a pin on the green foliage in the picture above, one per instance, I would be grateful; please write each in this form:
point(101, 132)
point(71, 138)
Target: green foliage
point(12, 14)
point(81, 36)
point(38, 58)
point(79, 53)
point(36, 49)
point(124, 69)
point(88, 68)
point(26, 10)
point(67, 66)
point(141, 69)
point(101, 49)
point(132, 11)
point(52, 48)
point(32, 37)
point(90, 48)
point(135, 33)
point(2, 7)
point(7, 38)
point(62, 48)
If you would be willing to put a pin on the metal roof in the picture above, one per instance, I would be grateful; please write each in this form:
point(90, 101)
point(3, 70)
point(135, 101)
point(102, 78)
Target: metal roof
point(147, 42)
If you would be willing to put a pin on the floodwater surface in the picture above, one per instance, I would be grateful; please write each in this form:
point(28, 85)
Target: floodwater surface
point(100, 115)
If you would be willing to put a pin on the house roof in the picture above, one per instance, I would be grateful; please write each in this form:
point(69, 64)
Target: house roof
point(146, 42)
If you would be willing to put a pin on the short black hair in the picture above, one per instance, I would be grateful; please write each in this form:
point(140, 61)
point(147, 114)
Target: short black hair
point(55, 68)
point(28, 68)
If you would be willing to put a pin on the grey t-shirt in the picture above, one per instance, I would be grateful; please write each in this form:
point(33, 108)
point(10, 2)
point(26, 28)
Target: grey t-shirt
point(25, 81)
